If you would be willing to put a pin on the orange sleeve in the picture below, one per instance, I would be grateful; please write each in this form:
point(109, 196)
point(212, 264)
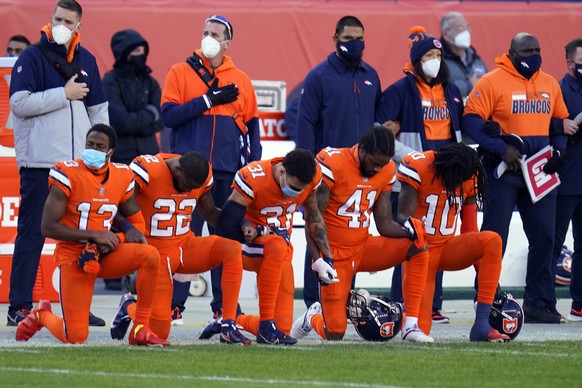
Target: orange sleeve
point(469, 219)
point(137, 221)
point(171, 92)
point(481, 101)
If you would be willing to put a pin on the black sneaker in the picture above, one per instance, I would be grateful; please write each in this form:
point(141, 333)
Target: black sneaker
point(14, 317)
point(95, 320)
point(540, 315)
point(437, 317)
point(557, 313)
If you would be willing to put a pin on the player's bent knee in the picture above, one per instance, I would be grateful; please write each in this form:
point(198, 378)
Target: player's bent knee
point(334, 336)
point(78, 336)
point(276, 247)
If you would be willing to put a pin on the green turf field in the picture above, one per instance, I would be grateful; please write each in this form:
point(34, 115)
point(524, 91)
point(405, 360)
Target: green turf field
point(347, 364)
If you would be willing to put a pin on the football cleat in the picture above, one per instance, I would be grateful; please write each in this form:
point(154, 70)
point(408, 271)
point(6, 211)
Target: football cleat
point(269, 334)
point(177, 319)
point(302, 326)
point(14, 317)
point(31, 324)
point(213, 327)
point(122, 320)
point(95, 320)
point(231, 335)
point(140, 335)
point(414, 334)
point(437, 317)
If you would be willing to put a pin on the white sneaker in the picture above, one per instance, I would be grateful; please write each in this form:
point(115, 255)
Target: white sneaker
point(575, 315)
point(302, 326)
point(414, 334)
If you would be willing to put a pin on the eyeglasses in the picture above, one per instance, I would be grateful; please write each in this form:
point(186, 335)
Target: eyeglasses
point(222, 20)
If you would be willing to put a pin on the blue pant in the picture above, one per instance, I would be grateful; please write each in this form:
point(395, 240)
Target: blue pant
point(569, 208)
point(538, 224)
point(29, 240)
point(220, 192)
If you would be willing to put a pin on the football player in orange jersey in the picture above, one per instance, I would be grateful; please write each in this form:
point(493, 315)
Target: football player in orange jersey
point(168, 189)
point(259, 214)
point(435, 186)
point(83, 199)
point(357, 182)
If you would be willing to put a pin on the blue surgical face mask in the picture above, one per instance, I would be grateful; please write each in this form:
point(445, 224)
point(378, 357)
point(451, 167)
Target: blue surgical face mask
point(93, 158)
point(289, 192)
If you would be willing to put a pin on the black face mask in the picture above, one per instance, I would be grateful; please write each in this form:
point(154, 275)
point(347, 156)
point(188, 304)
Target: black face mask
point(527, 66)
point(351, 51)
point(138, 61)
point(578, 71)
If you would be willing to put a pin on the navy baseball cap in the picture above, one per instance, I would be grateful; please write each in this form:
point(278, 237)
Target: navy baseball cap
point(221, 20)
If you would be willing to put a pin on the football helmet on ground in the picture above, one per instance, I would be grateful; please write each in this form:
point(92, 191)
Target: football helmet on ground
point(375, 318)
point(506, 315)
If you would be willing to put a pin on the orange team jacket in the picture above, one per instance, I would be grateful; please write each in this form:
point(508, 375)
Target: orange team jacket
point(441, 218)
point(267, 205)
point(166, 211)
point(352, 198)
point(91, 203)
point(520, 106)
point(214, 131)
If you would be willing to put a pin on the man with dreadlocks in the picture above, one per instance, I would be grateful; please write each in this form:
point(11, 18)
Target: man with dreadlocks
point(357, 182)
point(435, 186)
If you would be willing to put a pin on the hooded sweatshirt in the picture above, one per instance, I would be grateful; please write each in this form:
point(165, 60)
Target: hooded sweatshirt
point(520, 106)
point(134, 100)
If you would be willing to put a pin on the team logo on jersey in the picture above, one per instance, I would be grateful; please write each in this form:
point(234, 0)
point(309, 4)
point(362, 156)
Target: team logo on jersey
point(509, 325)
point(19, 69)
point(365, 179)
point(84, 73)
point(101, 191)
point(545, 95)
point(368, 83)
point(387, 329)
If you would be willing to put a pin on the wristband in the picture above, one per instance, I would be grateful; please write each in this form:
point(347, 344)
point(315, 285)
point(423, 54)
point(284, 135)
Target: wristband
point(124, 226)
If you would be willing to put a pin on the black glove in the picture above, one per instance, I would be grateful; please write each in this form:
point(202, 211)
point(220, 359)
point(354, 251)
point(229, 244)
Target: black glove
point(281, 232)
point(221, 95)
point(555, 163)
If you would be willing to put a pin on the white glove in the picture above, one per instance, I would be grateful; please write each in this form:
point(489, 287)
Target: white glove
point(324, 271)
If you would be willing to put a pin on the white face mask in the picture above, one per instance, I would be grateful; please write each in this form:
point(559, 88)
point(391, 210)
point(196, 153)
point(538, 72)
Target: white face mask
point(463, 40)
point(431, 67)
point(210, 47)
point(61, 34)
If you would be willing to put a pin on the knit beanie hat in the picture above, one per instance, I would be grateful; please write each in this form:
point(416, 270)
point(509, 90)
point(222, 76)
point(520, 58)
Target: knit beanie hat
point(420, 42)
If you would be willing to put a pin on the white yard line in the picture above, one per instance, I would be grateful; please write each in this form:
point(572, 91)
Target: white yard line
point(189, 377)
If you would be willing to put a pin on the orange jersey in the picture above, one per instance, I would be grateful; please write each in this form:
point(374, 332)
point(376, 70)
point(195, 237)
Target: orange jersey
point(166, 211)
point(441, 218)
point(435, 114)
point(520, 106)
point(267, 205)
point(352, 197)
point(92, 200)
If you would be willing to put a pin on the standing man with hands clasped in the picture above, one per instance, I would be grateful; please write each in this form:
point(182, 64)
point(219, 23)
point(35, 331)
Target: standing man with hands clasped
point(522, 99)
point(211, 107)
point(56, 95)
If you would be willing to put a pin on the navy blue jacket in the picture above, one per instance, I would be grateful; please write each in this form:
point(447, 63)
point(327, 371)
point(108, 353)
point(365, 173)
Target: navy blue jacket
point(401, 102)
point(337, 104)
point(570, 172)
